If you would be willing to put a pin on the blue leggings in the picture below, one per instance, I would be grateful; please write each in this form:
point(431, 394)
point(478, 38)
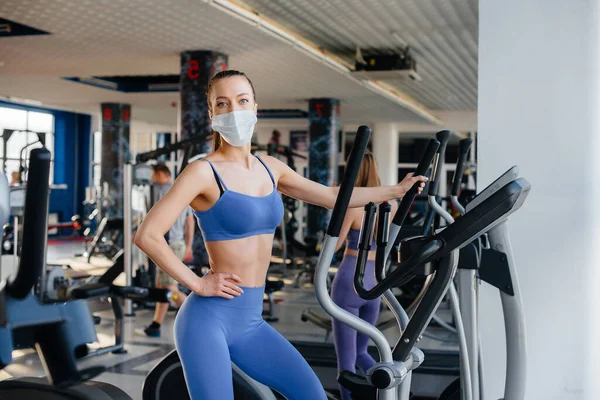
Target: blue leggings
point(213, 332)
point(351, 346)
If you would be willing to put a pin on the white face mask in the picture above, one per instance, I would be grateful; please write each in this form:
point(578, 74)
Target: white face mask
point(236, 127)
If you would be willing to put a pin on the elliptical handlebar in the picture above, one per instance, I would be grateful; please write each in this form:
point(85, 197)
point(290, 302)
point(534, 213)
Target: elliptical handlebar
point(436, 176)
point(35, 223)
point(347, 186)
point(409, 197)
point(464, 147)
point(442, 137)
point(461, 164)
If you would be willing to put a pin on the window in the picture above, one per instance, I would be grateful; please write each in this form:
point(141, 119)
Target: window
point(20, 132)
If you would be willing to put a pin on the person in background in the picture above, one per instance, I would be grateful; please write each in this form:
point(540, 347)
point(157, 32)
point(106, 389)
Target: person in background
point(180, 238)
point(14, 178)
point(275, 138)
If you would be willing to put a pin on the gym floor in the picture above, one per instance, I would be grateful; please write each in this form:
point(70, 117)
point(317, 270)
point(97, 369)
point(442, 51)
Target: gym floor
point(128, 370)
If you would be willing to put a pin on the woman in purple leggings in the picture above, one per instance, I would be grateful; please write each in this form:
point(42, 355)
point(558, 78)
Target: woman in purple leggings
point(351, 346)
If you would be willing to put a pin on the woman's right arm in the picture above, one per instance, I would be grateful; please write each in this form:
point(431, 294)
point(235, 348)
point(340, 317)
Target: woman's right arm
point(150, 237)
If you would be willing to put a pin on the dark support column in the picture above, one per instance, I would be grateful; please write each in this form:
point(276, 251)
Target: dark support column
point(115, 152)
point(197, 68)
point(324, 125)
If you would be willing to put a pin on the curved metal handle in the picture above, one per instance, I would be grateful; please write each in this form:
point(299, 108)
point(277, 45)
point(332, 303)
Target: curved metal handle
point(443, 137)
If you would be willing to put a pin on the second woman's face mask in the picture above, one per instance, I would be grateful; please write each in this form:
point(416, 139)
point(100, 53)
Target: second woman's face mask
point(236, 127)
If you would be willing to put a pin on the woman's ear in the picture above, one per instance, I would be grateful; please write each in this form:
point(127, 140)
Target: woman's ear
point(255, 108)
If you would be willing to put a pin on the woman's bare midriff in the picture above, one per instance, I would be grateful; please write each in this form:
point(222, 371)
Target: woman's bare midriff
point(249, 258)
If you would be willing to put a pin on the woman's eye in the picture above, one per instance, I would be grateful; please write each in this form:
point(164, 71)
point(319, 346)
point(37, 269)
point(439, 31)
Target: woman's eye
point(221, 104)
point(243, 101)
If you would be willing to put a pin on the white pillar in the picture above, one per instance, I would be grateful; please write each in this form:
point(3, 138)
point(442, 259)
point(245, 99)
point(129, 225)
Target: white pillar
point(538, 87)
point(385, 149)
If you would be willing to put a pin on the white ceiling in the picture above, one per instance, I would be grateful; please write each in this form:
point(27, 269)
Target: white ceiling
point(442, 35)
point(135, 37)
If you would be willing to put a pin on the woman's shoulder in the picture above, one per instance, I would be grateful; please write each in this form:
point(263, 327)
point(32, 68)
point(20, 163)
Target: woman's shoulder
point(198, 167)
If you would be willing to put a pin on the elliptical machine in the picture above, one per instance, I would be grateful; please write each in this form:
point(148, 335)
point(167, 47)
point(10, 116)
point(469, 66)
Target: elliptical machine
point(436, 255)
point(487, 258)
point(58, 330)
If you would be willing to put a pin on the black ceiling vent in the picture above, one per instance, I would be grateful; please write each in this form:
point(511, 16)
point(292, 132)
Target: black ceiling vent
point(132, 84)
point(10, 28)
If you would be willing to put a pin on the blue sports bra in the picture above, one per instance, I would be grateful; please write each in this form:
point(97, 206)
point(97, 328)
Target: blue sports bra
point(353, 238)
point(237, 215)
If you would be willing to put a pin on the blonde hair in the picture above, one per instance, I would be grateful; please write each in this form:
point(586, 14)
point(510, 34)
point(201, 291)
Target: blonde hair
point(368, 174)
point(217, 141)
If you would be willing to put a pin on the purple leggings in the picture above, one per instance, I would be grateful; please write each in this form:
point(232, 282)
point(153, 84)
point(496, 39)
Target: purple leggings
point(351, 346)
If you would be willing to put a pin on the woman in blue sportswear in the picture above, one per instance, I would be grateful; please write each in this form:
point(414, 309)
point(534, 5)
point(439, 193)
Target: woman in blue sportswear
point(236, 201)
